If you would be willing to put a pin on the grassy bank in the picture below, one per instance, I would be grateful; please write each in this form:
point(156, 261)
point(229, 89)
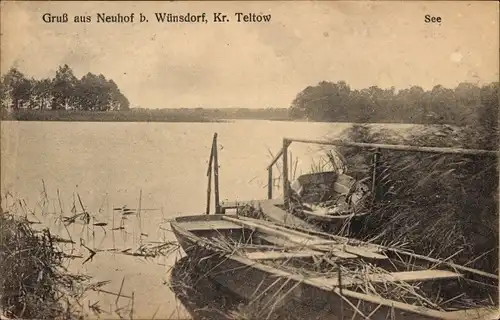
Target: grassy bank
point(445, 206)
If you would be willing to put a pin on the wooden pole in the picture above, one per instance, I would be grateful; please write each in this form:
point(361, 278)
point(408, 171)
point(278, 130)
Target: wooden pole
point(285, 172)
point(209, 175)
point(270, 182)
point(216, 175)
point(339, 279)
point(209, 191)
point(399, 147)
point(376, 156)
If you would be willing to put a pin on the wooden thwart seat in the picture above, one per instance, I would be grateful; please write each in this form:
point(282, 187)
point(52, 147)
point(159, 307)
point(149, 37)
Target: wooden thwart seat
point(256, 203)
point(287, 244)
point(236, 204)
point(406, 276)
point(343, 184)
point(276, 240)
point(359, 251)
point(271, 211)
point(287, 238)
point(216, 225)
point(266, 229)
point(274, 255)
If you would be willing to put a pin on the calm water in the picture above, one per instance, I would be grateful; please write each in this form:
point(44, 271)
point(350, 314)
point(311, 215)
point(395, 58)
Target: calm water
point(110, 164)
point(168, 161)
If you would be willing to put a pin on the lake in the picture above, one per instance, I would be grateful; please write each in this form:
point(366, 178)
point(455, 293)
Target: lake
point(160, 167)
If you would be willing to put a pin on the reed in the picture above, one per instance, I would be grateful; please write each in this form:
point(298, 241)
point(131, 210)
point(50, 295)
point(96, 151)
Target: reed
point(278, 172)
point(438, 204)
point(37, 245)
point(33, 279)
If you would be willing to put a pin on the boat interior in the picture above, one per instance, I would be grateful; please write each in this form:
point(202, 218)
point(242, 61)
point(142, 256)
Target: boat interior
point(329, 193)
point(341, 262)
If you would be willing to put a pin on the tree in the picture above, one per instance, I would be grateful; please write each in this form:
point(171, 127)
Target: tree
point(411, 106)
point(63, 88)
point(4, 94)
point(118, 100)
point(299, 105)
point(488, 115)
point(361, 106)
point(327, 101)
point(64, 91)
point(467, 104)
point(467, 96)
point(18, 86)
point(442, 103)
point(95, 93)
point(41, 94)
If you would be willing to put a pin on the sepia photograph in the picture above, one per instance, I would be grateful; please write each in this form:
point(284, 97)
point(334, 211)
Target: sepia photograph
point(249, 160)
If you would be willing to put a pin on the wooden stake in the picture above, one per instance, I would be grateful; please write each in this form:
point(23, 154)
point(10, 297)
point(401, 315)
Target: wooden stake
point(216, 175)
point(376, 156)
point(209, 175)
point(285, 172)
point(270, 182)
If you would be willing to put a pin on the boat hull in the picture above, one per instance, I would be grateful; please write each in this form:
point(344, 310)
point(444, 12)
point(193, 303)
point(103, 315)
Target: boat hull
point(259, 283)
point(244, 281)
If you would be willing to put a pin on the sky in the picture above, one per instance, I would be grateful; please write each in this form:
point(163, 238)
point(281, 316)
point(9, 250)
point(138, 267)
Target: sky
point(256, 65)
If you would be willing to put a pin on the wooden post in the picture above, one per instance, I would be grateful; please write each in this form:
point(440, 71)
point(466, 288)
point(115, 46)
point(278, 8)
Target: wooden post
point(285, 172)
point(216, 175)
point(376, 156)
point(209, 175)
point(339, 279)
point(270, 183)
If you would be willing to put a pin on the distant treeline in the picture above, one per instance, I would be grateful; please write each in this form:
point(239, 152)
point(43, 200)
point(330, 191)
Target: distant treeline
point(224, 113)
point(467, 104)
point(146, 115)
point(94, 98)
point(106, 116)
point(63, 92)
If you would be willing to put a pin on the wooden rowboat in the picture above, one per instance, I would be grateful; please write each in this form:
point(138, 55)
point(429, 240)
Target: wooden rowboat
point(330, 199)
point(330, 277)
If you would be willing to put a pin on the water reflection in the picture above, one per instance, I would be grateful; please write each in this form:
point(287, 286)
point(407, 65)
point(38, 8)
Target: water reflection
point(202, 297)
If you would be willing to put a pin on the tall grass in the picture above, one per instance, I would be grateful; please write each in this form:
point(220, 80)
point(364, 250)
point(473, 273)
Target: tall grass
point(441, 205)
point(33, 281)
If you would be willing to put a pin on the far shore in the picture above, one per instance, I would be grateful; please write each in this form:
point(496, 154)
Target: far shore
point(159, 115)
point(142, 115)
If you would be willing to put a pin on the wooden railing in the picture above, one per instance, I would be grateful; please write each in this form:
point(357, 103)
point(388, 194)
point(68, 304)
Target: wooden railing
point(283, 153)
point(213, 163)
